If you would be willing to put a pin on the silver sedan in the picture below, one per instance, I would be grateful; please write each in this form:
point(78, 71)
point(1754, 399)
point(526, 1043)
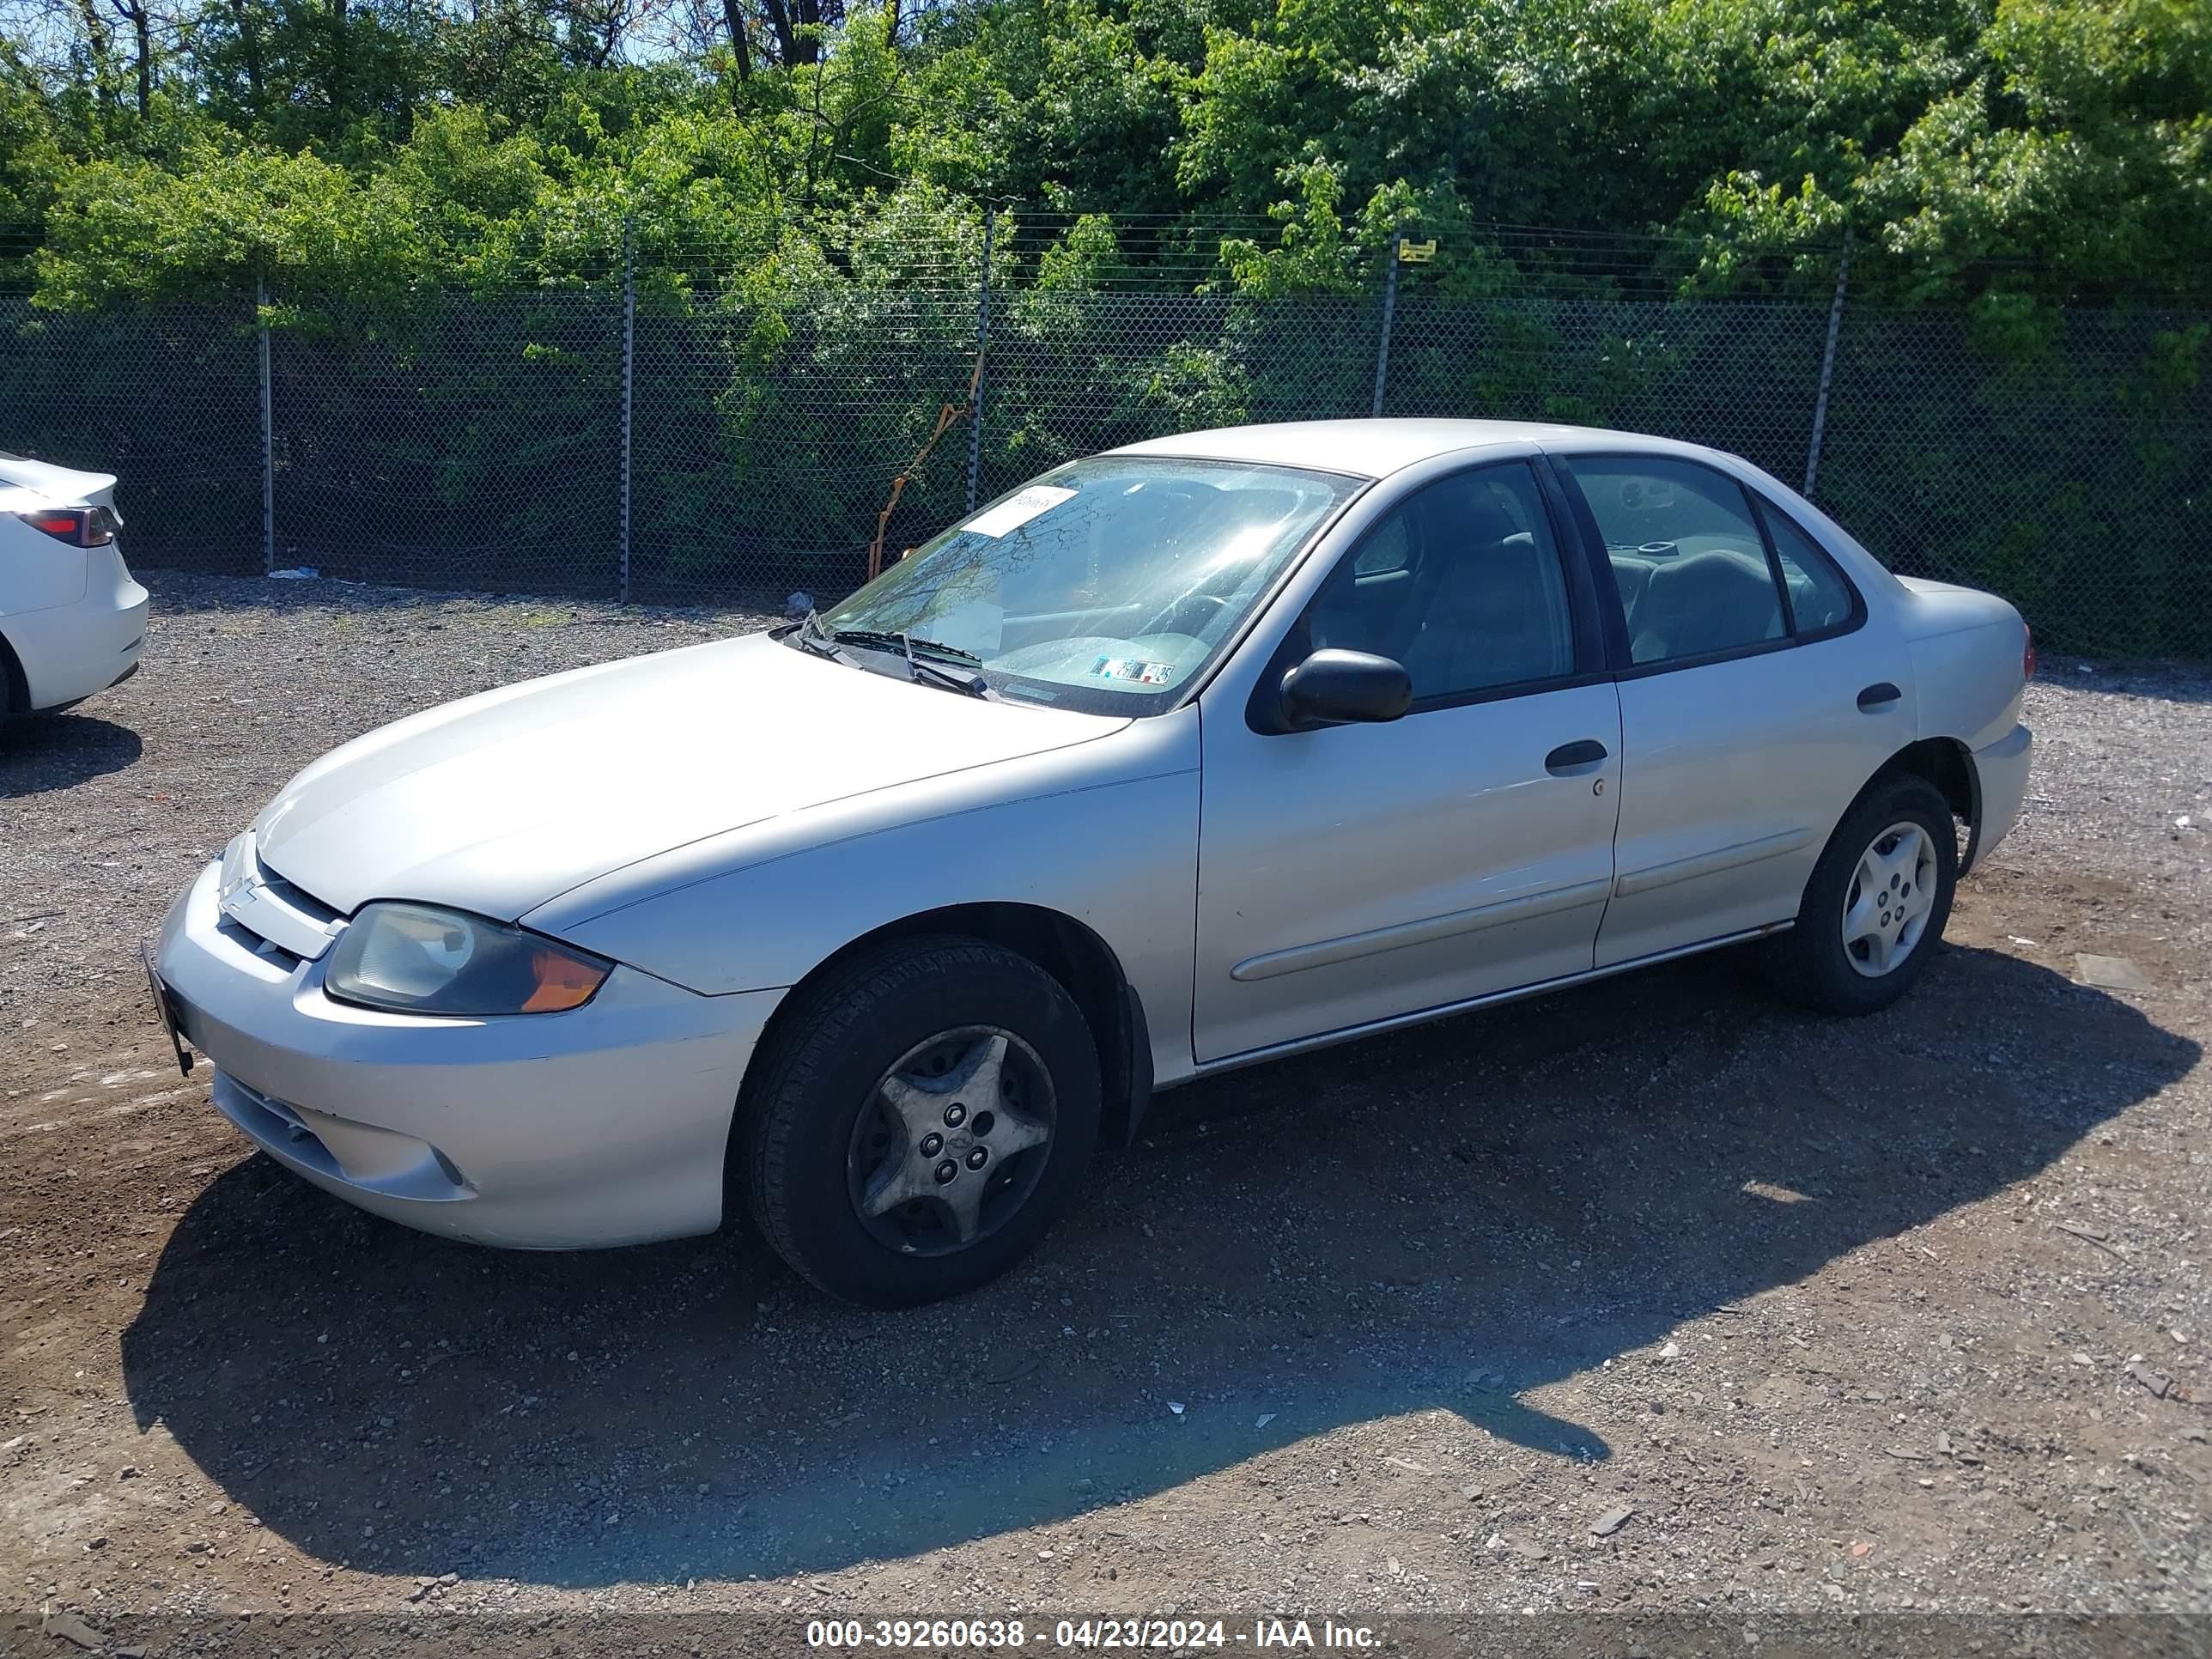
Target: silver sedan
point(1202, 752)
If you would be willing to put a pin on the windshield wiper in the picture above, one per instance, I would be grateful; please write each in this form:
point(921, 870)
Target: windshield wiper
point(810, 635)
point(813, 634)
point(905, 643)
point(952, 679)
point(918, 667)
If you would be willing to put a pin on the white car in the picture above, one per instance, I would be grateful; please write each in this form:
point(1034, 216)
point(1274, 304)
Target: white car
point(72, 622)
point(1180, 757)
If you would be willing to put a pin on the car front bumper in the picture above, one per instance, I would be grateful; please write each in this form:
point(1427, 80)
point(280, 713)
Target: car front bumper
point(606, 1125)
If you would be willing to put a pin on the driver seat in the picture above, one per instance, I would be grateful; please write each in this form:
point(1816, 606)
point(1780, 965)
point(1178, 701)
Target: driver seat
point(1494, 610)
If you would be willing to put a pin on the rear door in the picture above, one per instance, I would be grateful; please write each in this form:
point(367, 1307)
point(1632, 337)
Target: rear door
point(1755, 699)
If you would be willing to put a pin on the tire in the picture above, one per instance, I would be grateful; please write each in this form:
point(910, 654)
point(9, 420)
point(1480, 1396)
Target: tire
point(866, 1070)
point(15, 695)
point(1833, 974)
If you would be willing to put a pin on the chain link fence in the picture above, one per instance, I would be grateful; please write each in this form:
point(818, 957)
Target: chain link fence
point(669, 441)
point(168, 399)
point(2070, 471)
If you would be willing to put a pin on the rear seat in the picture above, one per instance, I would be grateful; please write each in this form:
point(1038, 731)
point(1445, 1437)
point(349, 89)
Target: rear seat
point(1705, 602)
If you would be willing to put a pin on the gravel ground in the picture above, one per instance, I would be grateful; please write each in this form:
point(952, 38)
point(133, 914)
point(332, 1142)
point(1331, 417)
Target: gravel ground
point(1842, 1315)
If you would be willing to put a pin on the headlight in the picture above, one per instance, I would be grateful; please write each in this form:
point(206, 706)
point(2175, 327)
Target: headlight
point(417, 959)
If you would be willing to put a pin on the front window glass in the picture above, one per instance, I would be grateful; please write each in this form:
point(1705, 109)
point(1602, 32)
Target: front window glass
point(1108, 584)
point(1467, 589)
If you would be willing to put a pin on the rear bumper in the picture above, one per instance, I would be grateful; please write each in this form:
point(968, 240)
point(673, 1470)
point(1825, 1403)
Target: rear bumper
point(2001, 780)
point(603, 1126)
point(69, 652)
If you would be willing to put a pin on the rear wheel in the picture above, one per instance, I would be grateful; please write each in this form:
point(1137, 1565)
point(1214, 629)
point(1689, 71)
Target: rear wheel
point(921, 1118)
point(1877, 901)
point(15, 693)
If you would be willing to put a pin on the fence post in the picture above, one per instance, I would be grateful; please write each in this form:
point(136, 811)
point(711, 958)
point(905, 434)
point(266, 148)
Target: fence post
point(982, 341)
point(1827, 369)
point(1389, 310)
point(268, 431)
point(629, 380)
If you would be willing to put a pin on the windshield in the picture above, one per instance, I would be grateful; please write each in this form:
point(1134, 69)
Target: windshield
point(1106, 584)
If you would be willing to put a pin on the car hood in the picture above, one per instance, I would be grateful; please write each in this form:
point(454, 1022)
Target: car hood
point(500, 802)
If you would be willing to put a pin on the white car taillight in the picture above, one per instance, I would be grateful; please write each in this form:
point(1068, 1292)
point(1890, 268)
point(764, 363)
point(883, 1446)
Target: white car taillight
point(80, 526)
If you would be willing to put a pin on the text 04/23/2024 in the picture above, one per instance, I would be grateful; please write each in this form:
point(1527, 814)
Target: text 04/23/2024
point(1172, 1635)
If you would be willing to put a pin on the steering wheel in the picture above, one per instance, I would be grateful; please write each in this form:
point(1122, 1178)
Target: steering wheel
point(1158, 623)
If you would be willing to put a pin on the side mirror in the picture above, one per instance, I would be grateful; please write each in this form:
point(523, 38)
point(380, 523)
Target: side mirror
point(1333, 686)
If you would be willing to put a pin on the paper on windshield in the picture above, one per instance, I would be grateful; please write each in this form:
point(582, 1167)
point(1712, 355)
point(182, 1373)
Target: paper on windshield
point(1017, 510)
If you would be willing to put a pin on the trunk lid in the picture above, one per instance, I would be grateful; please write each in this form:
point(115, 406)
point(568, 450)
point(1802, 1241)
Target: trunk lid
point(1934, 607)
point(57, 486)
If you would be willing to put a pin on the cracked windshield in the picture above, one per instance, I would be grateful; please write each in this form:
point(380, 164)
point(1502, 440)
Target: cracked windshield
point(1108, 584)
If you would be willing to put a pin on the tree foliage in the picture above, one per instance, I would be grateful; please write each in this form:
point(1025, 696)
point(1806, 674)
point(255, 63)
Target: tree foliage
point(150, 146)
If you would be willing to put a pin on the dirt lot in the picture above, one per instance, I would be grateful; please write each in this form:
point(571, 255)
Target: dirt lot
point(1843, 1315)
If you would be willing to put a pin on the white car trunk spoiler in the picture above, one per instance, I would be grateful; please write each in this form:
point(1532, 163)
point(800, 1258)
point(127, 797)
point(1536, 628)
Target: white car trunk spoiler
point(57, 486)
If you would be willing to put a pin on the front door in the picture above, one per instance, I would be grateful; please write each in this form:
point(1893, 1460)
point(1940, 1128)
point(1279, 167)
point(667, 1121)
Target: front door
point(1357, 872)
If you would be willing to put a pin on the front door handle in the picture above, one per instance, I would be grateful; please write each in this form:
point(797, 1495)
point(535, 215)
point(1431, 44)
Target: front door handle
point(1569, 759)
point(1878, 696)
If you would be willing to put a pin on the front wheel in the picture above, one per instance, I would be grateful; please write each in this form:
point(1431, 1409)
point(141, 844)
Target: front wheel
point(1877, 901)
point(921, 1118)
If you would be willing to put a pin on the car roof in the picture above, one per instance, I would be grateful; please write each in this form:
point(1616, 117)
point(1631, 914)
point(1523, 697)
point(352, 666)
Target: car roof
point(1376, 448)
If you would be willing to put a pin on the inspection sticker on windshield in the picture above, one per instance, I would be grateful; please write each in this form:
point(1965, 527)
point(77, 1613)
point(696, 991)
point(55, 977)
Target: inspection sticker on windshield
point(1131, 668)
point(1017, 509)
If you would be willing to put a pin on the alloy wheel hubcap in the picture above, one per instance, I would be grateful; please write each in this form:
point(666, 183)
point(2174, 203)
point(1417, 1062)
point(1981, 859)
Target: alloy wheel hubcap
point(950, 1141)
point(1891, 896)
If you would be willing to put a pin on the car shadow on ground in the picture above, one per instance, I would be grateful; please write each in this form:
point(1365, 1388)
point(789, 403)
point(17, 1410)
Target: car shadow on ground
point(1455, 1217)
point(44, 752)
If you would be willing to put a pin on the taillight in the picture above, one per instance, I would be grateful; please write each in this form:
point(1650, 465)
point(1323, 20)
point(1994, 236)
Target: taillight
point(2027, 657)
point(80, 526)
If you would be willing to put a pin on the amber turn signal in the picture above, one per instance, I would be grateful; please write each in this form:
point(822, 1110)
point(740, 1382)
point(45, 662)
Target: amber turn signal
point(561, 981)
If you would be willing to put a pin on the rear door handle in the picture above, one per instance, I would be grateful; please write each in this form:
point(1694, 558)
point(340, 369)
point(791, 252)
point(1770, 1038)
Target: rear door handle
point(1880, 695)
point(1569, 759)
